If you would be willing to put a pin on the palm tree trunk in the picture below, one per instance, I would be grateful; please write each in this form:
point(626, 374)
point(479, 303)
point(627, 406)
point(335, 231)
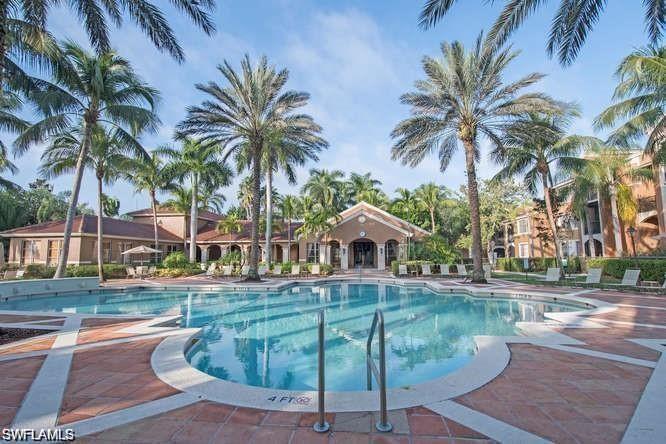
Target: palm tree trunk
point(432, 219)
point(590, 235)
point(269, 215)
point(475, 217)
point(3, 40)
point(153, 204)
point(100, 231)
point(73, 201)
point(253, 274)
point(289, 238)
point(617, 233)
point(193, 218)
point(551, 222)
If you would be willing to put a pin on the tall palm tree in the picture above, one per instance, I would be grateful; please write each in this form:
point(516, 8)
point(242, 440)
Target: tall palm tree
point(327, 188)
point(361, 185)
point(289, 210)
point(96, 15)
point(607, 171)
point(573, 21)
point(640, 102)
point(244, 115)
point(107, 158)
point(535, 148)
point(375, 197)
point(86, 90)
point(405, 206)
point(244, 195)
point(230, 224)
point(463, 98)
point(148, 175)
point(429, 197)
point(201, 163)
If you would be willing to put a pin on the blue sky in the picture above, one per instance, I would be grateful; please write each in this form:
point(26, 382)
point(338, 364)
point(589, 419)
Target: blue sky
point(355, 59)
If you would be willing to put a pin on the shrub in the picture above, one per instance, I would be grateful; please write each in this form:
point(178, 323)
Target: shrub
point(231, 258)
point(286, 267)
point(38, 271)
point(324, 269)
point(436, 249)
point(177, 259)
point(651, 269)
point(111, 271)
point(536, 264)
point(179, 272)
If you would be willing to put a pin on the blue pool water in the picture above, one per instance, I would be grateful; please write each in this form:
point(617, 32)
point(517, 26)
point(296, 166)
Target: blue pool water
point(270, 339)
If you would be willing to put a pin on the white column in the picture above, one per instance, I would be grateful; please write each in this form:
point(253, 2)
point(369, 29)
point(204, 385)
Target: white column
point(285, 253)
point(344, 254)
point(381, 260)
point(322, 253)
point(204, 254)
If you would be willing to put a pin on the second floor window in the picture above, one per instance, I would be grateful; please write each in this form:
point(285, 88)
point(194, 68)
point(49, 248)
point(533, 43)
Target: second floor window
point(523, 226)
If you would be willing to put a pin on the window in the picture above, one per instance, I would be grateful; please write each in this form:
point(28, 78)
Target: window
point(313, 253)
point(28, 251)
point(523, 250)
point(523, 226)
point(124, 246)
point(53, 255)
point(106, 252)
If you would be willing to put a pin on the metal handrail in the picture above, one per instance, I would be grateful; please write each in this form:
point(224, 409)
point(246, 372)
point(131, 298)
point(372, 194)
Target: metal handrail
point(321, 425)
point(380, 374)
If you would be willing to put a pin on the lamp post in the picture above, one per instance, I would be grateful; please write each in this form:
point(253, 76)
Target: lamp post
point(631, 230)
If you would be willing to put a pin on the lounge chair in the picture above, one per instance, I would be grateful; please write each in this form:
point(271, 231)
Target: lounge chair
point(315, 269)
point(210, 272)
point(402, 270)
point(263, 269)
point(20, 273)
point(277, 270)
point(552, 274)
point(461, 270)
point(445, 270)
point(593, 276)
point(630, 278)
point(425, 270)
point(295, 270)
point(227, 270)
point(10, 274)
point(245, 269)
point(487, 271)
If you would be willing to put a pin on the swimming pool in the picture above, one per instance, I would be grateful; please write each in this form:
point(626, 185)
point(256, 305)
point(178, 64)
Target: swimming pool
point(270, 339)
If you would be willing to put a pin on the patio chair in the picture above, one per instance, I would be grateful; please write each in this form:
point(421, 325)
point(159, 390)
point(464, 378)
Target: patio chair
point(245, 269)
point(152, 270)
point(227, 270)
point(462, 272)
point(445, 270)
point(131, 272)
point(10, 274)
point(295, 270)
point(210, 272)
point(20, 273)
point(593, 276)
point(402, 270)
point(630, 278)
point(277, 270)
point(487, 271)
point(425, 270)
point(262, 270)
point(552, 274)
point(315, 270)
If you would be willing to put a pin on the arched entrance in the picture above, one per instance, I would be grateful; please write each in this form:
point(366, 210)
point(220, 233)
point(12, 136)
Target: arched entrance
point(391, 251)
point(278, 253)
point(235, 249)
point(214, 252)
point(598, 248)
point(335, 253)
point(499, 251)
point(363, 253)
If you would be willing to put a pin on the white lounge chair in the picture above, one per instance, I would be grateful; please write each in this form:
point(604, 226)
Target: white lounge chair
point(227, 270)
point(552, 274)
point(445, 270)
point(315, 269)
point(20, 273)
point(152, 270)
point(461, 270)
point(131, 272)
point(10, 274)
point(245, 269)
point(402, 270)
point(277, 270)
point(593, 276)
point(210, 272)
point(425, 270)
point(487, 271)
point(263, 269)
point(630, 278)
point(295, 270)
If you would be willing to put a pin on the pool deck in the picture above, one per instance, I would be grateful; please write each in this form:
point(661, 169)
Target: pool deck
point(603, 380)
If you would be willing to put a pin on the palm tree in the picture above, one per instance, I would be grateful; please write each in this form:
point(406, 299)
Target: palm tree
point(200, 162)
point(640, 102)
point(374, 197)
point(230, 224)
point(244, 195)
point(360, 186)
point(9, 104)
point(148, 175)
point(405, 206)
point(535, 147)
point(326, 188)
point(573, 21)
point(87, 90)
point(180, 202)
point(464, 97)
point(108, 157)
point(96, 14)
point(608, 172)
point(289, 210)
point(429, 197)
point(244, 115)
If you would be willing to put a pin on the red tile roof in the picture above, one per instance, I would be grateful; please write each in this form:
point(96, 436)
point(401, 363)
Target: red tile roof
point(88, 225)
point(209, 233)
point(168, 210)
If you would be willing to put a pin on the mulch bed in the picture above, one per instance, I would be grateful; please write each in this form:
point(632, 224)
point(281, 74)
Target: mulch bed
point(8, 335)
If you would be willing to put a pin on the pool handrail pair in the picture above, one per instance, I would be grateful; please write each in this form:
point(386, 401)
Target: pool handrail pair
point(380, 374)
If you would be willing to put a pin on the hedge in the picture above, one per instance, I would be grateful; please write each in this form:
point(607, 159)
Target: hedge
point(179, 272)
point(651, 269)
point(177, 259)
point(39, 271)
point(536, 264)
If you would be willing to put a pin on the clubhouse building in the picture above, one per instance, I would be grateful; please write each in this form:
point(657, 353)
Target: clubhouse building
point(361, 236)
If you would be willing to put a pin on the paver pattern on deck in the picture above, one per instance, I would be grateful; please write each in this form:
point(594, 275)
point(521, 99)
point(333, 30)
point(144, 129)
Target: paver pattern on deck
point(561, 396)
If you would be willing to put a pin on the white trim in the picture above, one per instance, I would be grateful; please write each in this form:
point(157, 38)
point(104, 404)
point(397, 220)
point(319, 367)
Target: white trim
point(385, 213)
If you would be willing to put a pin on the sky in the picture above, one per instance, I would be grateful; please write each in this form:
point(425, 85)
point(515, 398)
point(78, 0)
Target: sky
point(355, 58)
